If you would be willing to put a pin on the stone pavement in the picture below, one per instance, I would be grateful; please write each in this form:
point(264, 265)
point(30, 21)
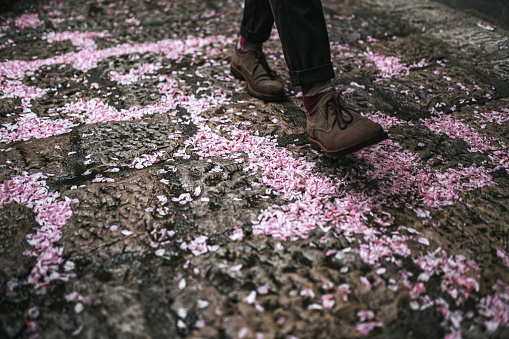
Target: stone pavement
point(145, 194)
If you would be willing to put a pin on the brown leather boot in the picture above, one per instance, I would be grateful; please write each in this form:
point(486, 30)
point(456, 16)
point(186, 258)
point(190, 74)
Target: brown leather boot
point(261, 80)
point(338, 130)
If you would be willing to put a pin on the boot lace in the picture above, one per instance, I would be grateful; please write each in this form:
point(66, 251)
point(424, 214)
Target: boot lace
point(342, 111)
point(262, 60)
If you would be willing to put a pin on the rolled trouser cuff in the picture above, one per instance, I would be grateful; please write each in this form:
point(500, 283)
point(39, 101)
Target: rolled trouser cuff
point(311, 76)
point(252, 36)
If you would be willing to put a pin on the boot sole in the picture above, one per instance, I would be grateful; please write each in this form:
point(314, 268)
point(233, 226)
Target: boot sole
point(267, 97)
point(336, 154)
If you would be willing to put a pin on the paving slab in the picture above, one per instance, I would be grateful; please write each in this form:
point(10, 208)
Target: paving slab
point(144, 193)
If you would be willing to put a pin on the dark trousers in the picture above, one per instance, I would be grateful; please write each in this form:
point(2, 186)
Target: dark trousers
point(303, 33)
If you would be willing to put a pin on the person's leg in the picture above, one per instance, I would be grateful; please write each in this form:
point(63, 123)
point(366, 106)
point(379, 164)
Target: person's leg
point(305, 40)
point(332, 126)
point(303, 32)
point(257, 21)
point(248, 61)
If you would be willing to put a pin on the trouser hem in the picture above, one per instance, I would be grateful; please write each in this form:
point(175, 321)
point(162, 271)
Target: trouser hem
point(311, 76)
point(253, 36)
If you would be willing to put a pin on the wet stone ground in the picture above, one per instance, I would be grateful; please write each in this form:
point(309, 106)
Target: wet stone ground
point(145, 194)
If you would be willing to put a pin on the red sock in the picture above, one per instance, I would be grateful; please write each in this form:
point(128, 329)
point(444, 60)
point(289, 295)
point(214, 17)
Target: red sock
point(312, 95)
point(244, 46)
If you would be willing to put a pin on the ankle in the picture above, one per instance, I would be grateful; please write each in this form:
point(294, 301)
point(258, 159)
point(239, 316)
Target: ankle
point(244, 46)
point(313, 93)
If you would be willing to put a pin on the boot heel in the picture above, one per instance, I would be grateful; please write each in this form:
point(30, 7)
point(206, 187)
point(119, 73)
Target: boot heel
point(316, 147)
